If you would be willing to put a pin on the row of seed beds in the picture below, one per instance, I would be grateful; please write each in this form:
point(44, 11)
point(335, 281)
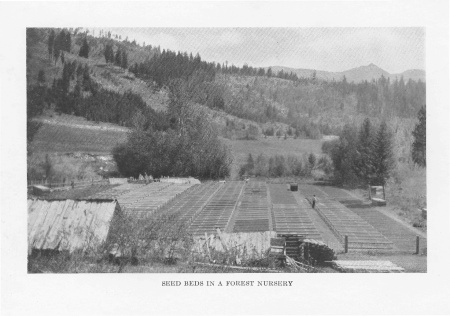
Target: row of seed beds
point(143, 199)
point(290, 216)
point(403, 239)
point(232, 206)
point(238, 206)
point(343, 222)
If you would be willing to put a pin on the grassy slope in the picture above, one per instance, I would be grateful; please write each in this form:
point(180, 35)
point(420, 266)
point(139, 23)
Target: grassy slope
point(66, 133)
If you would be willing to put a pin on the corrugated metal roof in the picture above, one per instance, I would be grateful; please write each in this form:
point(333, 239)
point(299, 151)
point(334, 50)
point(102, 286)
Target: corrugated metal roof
point(69, 224)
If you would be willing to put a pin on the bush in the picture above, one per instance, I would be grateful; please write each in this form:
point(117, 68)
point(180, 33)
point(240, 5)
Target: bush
point(190, 150)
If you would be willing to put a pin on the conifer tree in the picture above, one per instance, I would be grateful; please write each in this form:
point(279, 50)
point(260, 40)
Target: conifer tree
point(419, 147)
point(382, 157)
point(67, 42)
point(124, 60)
point(118, 57)
point(363, 164)
point(109, 53)
point(84, 49)
point(51, 43)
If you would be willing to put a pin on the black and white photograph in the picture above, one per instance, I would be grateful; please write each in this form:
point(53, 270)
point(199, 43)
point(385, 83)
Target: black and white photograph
point(142, 157)
point(229, 154)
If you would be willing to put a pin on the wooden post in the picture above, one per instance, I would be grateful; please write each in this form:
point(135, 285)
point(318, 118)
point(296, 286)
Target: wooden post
point(370, 193)
point(384, 193)
point(417, 244)
point(346, 244)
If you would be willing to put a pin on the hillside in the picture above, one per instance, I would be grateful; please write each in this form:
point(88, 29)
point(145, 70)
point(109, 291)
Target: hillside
point(239, 102)
point(359, 74)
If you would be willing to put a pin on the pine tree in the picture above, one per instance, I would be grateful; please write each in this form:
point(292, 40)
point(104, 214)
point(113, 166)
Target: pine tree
point(51, 43)
point(343, 156)
point(419, 147)
point(382, 157)
point(56, 53)
point(363, 165)
point(84, 49)
point(109, 53)
point(124, 61)
point(118, 57)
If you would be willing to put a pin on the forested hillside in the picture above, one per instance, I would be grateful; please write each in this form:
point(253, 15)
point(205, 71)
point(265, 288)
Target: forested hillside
point(143, 74)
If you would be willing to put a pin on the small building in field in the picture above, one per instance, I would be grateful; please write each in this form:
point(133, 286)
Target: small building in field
point(69, 225)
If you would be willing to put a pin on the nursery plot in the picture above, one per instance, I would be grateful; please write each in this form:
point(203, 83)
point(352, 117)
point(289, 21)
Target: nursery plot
point(146, 201)
point(404, 239)
point(290, 216)
point(116, 191)
point(343, 222)
point(253, 212)
point(193, 200)
point(217, 212)
point(126, 200)
point(309, 190)
point(336, 193)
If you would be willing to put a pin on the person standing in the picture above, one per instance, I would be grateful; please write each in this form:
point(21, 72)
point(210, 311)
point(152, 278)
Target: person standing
point(314, 200)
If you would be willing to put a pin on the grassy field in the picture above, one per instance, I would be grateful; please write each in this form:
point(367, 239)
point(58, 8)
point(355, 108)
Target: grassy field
point(270, 147)
point(61, 134)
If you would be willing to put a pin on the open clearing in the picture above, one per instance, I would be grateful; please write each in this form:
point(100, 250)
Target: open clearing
point(256, 206)
point(66, 133)
point(270, 146)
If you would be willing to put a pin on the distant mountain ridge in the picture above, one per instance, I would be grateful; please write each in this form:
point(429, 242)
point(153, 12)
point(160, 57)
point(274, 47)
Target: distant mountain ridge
point(356, 75)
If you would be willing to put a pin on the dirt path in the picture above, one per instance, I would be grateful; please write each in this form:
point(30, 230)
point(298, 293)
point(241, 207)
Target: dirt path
point(327, 235)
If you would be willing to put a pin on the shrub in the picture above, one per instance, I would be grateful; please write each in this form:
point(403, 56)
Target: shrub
point(192, 149)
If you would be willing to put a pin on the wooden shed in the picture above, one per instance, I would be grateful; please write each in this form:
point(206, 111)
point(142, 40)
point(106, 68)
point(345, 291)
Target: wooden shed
point(69, 224)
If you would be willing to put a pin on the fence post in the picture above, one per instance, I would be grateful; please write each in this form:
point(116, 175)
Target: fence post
point(346, 244)
point(417, 245)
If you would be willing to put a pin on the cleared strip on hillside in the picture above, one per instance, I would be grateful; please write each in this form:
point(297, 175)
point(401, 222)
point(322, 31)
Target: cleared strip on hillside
point(60, 138)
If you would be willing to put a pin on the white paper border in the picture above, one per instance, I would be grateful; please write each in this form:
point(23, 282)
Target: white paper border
point(142, 294)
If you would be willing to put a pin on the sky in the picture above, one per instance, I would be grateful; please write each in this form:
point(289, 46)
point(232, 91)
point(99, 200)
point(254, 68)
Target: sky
point(331, 49)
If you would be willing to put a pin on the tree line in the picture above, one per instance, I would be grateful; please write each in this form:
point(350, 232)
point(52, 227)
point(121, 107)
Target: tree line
point(362, 155)
point(189, 147)
point(119, 58)
point(78, 94)
point(283, 166)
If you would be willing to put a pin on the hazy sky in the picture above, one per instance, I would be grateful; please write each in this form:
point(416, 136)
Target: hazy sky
point(331, 49)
